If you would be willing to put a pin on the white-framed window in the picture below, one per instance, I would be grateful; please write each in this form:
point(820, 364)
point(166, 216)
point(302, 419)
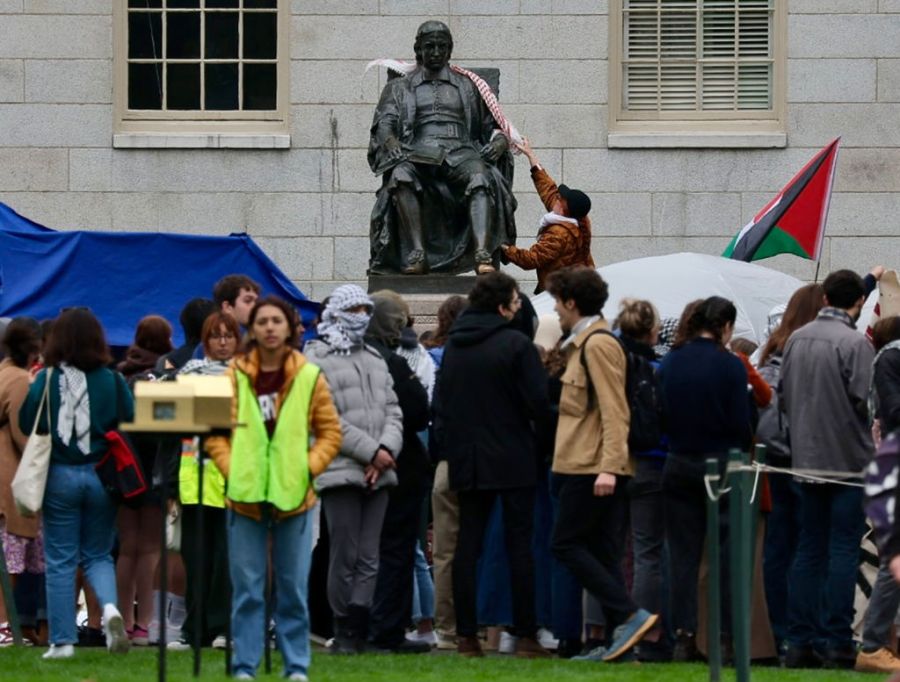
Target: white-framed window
point(697, 72)
point(198, 73)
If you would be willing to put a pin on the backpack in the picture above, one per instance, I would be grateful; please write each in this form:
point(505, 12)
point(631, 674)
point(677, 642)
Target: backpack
point(642, 394)
point(772, 428)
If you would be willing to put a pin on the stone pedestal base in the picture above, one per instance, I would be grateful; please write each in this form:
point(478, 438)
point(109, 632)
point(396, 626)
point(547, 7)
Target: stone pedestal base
point(424, 293)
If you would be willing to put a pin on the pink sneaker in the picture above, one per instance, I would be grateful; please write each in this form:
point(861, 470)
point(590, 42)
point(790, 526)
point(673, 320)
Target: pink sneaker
point(139, 636)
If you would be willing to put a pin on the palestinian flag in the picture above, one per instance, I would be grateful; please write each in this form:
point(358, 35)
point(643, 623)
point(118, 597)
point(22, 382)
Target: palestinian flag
point(794, 221)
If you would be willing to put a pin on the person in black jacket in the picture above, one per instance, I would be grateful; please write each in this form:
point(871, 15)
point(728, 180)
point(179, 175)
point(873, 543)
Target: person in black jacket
point(490, 390)
point(392, 606)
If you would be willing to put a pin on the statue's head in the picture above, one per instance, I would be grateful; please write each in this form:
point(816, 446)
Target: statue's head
point(434, 44)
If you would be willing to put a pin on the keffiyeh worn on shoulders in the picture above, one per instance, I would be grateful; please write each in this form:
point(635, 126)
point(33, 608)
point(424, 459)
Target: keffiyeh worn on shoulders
point(340, 329)
point(74, 408)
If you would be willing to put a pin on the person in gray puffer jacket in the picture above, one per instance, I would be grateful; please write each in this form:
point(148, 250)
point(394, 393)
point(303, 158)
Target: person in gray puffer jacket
point(353, 488)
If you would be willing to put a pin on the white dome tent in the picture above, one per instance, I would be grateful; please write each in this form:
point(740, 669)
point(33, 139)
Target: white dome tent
point(672, 281)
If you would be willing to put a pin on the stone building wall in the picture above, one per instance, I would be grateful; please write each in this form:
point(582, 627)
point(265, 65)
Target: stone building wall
point(309, 206)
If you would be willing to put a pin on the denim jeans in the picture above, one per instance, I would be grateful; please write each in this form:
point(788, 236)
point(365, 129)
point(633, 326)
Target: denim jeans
point(423, 589)
point(782, 533)
point(883, 605)
point(648, 532)
point(291, 558)
point(79, 529)
point(823, 577)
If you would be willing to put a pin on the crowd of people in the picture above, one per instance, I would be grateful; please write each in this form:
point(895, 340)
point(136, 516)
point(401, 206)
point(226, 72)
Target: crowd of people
point(530, 484)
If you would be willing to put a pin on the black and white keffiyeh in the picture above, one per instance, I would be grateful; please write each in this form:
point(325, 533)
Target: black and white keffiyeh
point(342, 330)
point(74, 408)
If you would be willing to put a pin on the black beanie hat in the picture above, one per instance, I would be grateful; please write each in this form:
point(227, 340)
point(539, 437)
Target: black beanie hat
point(578, 204)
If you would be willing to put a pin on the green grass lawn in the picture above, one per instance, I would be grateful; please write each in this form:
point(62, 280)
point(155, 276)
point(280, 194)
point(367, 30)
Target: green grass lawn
point(95, 665)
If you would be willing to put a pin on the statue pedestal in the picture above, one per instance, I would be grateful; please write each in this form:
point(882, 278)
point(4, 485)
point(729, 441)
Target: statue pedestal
point(424, 293)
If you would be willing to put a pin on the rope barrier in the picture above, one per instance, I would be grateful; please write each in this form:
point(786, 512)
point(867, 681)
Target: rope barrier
point(818, 475)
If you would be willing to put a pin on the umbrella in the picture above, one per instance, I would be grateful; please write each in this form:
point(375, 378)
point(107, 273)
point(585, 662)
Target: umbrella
point(672, 281)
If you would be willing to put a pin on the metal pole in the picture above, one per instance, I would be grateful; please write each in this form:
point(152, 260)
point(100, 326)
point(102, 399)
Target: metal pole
point(759, 456)
point(739, 535)
point(714, 591)
point(9, 600)
point(198, 578)
point(164, 564)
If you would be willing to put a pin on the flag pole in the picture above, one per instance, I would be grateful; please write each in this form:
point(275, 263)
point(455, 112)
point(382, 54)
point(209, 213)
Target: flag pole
point(837, 149)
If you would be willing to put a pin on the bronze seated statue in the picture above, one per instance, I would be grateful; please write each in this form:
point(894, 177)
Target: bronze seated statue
point(445, 202)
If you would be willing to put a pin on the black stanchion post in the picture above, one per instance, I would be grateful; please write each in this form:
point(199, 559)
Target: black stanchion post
point(741, 558)
point(714, 590)
point(9, 600)
point(163, 566)
point(198, 578)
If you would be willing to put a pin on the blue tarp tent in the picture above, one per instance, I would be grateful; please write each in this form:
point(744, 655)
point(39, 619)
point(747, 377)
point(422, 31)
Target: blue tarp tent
point(123, 276)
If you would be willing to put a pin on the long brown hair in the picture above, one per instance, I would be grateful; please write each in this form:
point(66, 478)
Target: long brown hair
point(446, 316)
point(801, 309)
point(77, 340)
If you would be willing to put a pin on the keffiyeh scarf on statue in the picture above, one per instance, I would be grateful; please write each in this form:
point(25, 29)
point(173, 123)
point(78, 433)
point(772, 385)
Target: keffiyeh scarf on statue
point(74, 408)
point(341, 330)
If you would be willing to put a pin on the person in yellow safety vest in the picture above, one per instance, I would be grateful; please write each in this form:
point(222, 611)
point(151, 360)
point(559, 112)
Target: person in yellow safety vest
point(205, 554)
point(287, 432)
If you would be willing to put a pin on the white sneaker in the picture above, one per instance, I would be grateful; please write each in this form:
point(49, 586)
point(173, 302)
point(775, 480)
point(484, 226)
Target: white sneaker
point(59, 651)
point(428, 638)
point(220, 642)
point(298, 677)
point(178, 645)
point(243, 676)
point(507, 643)
point(114, 628)
point(445, 642)
point(546, 639)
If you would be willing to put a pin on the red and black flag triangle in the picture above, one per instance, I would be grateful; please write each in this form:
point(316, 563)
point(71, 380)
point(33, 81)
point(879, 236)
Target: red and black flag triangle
point(794, 221)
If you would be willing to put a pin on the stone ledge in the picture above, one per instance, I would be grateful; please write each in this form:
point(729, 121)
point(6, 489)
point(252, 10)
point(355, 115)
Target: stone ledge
point(696, 140)
point(201, 141)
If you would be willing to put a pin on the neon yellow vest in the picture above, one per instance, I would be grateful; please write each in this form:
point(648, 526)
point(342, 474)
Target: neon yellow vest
point(277, 470)
point(213, 481)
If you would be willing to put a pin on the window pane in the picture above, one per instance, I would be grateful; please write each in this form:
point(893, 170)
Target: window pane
point(144, 35)
point(260, 87)
point(144, 85)
point(222, 35)
point(265, 4)
point(182, 4)
point(222, 3)
point(183, 86)
point(143, 4)
point(222, 86)
point(260, 35)
point(183, 35)
point(755, 86)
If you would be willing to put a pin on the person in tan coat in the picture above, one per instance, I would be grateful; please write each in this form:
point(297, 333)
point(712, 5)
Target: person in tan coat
point(564, 237)
point(20, 536)
point(591, 461)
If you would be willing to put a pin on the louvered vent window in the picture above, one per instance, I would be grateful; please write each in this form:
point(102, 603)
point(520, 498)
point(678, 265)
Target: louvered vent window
point(684, 59)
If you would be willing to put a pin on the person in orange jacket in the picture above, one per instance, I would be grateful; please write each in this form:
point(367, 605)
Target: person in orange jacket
point(564, 237)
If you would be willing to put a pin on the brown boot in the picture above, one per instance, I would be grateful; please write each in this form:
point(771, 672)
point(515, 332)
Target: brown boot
point(469, 647)
point(528, 647)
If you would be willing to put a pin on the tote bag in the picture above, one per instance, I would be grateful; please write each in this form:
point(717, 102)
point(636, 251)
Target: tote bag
point(31, 477)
